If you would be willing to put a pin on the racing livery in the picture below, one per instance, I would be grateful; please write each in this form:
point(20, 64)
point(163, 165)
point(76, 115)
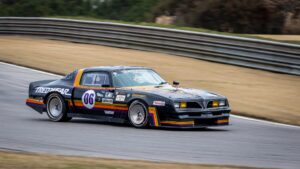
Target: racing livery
point(126, 94)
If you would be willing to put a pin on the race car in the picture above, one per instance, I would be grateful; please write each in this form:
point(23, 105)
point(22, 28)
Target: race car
point(127, 94)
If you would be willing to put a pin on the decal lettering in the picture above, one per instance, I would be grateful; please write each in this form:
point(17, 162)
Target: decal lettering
point(45, 90)
point(109, 112)
point(109, 94)
point(88, 99)
point(159, 103)
point(120, 98)
point(107, 101)
point(99, 94)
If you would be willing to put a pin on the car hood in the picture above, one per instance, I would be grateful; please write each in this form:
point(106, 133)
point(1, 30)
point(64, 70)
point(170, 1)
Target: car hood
point(173, 93)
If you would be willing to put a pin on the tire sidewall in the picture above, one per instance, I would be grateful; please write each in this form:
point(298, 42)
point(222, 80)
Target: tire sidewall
point(63, 112)
point(145, 122)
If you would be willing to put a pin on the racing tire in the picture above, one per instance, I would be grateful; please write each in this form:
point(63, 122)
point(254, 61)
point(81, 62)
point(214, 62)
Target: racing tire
point(56, 108)
point(138, 114)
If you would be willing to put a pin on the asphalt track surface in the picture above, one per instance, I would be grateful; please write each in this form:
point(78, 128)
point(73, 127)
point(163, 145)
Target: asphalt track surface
point(245, 142)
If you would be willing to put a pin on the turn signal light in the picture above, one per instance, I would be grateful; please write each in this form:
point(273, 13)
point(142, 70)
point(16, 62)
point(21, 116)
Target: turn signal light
point(183, 105)
point(215, 104)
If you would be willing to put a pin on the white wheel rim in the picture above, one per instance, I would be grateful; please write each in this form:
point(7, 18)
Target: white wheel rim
point(137, 114)
point(55, 107)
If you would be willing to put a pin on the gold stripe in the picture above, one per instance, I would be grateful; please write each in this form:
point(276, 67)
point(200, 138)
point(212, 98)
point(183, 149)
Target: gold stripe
point(99, 103)
point(222, 121)
point(104, 106)
point(152, 110)
point(178, 122)
point(78, 77)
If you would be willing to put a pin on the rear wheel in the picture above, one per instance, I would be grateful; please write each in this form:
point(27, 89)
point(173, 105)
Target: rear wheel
point(138, 114)
point(56, 108)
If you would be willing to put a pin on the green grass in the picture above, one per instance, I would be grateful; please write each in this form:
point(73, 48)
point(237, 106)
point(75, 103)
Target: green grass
point(172, 27)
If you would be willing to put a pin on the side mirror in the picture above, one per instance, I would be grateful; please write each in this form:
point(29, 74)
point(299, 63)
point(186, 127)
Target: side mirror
point(175, 83)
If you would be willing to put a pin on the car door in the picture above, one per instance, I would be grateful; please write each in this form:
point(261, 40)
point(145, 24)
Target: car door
point(93, 94)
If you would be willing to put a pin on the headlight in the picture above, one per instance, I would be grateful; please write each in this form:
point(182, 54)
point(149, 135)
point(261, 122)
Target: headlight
point(222, 103)
point(180, 105)
point(215, 104)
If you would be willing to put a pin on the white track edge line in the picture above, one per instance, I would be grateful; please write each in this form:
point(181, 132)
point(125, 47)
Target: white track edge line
point(237, 116)
point(264, 121)
point(27, 68)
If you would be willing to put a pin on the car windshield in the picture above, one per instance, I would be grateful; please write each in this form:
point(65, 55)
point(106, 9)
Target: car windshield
point(136, 77)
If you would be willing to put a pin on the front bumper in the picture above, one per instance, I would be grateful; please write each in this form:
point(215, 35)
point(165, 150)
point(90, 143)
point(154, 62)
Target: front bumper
point(190, 118)
point(196, 123)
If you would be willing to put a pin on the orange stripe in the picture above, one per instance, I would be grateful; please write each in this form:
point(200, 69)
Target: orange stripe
point(152, 110)
point(222, 121)
point(103, 106)
point(178, 122)
point(30, 100)
point(99, 103)
point(70, 102)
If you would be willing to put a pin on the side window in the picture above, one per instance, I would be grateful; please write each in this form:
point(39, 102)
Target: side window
point(95, 79)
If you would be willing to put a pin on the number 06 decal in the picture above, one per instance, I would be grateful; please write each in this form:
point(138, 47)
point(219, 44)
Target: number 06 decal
point(88, 99)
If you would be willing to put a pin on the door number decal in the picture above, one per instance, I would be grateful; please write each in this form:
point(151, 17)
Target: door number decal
point(88, 99)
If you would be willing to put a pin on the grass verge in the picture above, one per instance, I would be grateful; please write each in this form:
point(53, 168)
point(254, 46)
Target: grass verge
point(13, 160)
point(253, 93)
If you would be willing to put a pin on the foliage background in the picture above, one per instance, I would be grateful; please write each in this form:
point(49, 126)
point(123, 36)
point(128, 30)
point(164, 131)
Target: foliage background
point(237, 16)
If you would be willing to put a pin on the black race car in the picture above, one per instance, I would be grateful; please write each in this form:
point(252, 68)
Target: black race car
point(137, 95)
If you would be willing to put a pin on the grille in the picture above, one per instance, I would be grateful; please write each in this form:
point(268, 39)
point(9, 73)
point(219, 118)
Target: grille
point(193, 105)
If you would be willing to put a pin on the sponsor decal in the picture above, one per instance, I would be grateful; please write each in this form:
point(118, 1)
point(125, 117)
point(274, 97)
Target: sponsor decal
point(159, 103)
point(109, 112)
point(88, 99)
point(120, 98)
point(107, 101)
point(109, 94)
point(62, 91)
point(100, 95)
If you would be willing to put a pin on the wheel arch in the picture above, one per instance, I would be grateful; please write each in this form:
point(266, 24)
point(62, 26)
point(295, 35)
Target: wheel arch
point(137, 99)
point(48, 94)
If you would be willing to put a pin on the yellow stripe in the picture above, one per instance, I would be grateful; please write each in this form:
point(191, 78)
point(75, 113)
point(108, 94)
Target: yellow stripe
point(78, 77)
point(152, 110)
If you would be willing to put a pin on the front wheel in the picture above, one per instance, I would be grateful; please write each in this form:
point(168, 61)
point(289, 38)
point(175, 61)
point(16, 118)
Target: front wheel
point(138, 114)
point(56, 108)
